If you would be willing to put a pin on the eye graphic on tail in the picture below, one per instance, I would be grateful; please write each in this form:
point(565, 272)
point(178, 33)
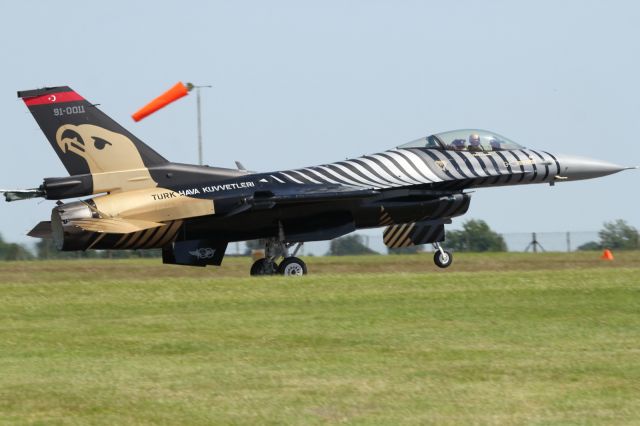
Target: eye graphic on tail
point(102, 149)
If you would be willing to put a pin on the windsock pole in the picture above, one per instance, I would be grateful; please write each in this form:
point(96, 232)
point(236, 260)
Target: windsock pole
point(199, 127)
point(193, 86)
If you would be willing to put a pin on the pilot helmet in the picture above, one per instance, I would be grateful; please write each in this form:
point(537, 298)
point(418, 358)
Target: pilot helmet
point(474, 139)
point(458, 144)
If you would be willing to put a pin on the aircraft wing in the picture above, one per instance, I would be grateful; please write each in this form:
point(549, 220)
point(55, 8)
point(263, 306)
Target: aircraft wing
point(109, 225)
point(296, 195)
point(114, 225)
point(315, 193)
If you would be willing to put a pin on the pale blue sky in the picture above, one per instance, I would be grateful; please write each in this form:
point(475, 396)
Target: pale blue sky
point(300, 83)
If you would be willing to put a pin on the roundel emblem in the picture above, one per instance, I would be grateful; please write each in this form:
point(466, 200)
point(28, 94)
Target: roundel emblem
point(203, 253)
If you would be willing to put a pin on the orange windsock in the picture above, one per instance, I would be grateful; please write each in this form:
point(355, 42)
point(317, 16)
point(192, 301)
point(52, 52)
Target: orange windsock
point(176, 92)
point(607, 255)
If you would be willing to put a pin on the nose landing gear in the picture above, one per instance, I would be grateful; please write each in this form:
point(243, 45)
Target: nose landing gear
point(442, 258)
point(289, 266)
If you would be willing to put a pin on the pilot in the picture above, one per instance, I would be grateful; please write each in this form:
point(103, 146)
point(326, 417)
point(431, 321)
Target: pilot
point(474, 143)
point(458, 145)
point(495, 144)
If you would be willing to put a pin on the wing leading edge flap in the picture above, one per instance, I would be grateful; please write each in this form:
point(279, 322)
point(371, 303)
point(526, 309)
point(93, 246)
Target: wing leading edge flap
point(114, 225)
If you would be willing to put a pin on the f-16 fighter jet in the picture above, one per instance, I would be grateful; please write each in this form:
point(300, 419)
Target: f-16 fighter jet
point(137, 199)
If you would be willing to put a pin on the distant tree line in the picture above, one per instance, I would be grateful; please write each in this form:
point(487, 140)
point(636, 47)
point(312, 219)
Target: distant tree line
point(616, 235)
point(45, 249)
point(349, 245)
point(13, 251)
point(475, 236)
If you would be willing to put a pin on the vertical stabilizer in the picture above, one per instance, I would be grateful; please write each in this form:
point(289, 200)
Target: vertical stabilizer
point(85, 138)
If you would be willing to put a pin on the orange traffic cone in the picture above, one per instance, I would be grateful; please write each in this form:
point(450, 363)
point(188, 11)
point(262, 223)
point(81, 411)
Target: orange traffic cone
point(607, 255)
point(176, 92)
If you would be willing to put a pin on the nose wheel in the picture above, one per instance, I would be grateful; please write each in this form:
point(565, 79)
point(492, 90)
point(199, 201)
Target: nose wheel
point(289, 266)
point(442, 258)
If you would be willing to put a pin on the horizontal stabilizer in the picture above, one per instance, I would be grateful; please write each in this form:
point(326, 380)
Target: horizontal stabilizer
point(114, 225)
point(41, 230)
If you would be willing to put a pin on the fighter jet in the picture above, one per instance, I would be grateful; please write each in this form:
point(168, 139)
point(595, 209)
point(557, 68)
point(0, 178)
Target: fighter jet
point(131, 197)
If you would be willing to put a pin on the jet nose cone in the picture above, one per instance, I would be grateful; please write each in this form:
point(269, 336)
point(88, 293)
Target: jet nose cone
point(576, 168)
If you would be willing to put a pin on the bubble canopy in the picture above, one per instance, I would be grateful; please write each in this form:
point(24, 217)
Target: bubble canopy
point(471, 140)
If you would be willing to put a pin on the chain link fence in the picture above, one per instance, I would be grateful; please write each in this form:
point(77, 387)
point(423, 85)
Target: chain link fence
point(516, 242)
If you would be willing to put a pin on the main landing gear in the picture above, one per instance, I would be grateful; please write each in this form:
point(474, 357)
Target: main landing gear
point(289, 266)
point(442, 258)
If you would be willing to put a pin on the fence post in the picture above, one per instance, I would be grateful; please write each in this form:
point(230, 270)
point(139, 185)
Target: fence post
point(568, 242)
point(534, 244)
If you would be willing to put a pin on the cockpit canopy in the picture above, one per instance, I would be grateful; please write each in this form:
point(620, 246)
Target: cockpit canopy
point(471, 140)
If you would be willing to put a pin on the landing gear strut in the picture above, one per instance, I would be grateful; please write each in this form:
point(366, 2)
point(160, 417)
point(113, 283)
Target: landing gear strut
point(442, 258)
point(275, 249)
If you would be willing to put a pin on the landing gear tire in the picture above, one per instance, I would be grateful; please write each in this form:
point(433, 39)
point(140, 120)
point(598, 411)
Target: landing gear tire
point(442, 259)
point(263, 267)
point(292, 266)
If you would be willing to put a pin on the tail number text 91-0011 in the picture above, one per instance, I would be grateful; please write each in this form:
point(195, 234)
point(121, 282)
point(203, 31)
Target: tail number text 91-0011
point(70, 110)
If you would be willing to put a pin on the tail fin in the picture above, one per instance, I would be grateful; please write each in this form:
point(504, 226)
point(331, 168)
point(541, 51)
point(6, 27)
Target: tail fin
point(85, 138)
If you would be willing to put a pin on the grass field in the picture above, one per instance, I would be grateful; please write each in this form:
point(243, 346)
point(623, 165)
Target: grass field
point(499, 338)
